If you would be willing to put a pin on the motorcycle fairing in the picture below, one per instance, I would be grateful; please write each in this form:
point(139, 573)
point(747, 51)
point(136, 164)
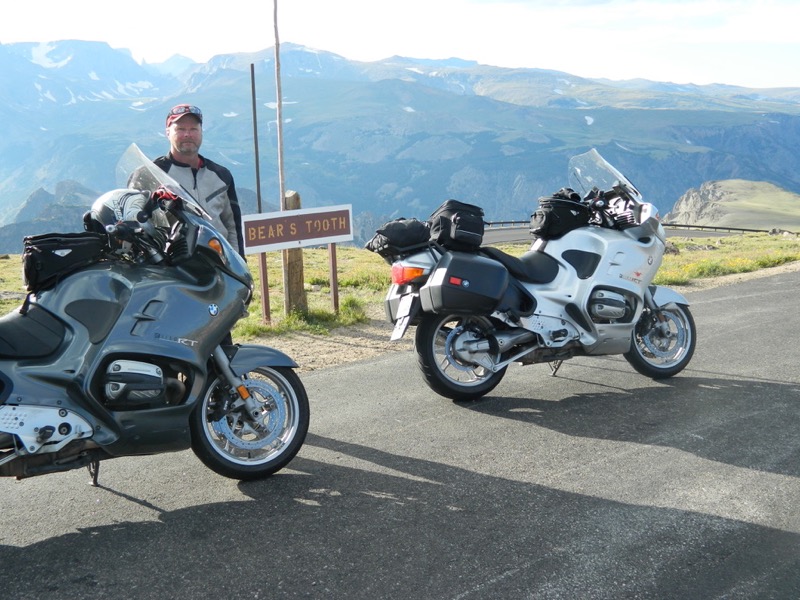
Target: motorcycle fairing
point(608, 260)
point(141, 330)
point(34, 333)
point(163, 429)
point(584, 263)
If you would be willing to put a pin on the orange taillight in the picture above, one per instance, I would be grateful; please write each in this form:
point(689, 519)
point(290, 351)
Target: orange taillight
point(402, 274)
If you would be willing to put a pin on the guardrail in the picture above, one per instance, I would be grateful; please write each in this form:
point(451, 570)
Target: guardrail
point(493, 224)
point(713, 228)
point(506, 223)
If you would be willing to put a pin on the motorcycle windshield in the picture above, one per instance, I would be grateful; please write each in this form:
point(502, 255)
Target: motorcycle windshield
point(134, 169)
point(590, 171)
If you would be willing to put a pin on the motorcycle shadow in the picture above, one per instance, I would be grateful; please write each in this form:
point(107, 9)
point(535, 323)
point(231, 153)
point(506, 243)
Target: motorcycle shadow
point(339, 522)
point(748, 423)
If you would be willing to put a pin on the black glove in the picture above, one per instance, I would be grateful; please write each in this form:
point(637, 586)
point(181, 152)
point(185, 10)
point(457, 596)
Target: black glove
point(127, 231)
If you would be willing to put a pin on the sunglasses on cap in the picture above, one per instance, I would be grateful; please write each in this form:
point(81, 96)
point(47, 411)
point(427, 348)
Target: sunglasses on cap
point(183, 109)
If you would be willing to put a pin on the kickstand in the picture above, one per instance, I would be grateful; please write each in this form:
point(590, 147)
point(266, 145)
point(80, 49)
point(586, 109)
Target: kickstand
point(554, 365)
point(94, 471)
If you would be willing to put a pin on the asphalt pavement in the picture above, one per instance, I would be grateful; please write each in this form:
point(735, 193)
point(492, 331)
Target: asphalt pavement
point(598, 483)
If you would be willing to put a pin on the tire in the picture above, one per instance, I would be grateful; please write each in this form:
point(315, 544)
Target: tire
point(448, 368)
point(663, 342)
point(239, 447)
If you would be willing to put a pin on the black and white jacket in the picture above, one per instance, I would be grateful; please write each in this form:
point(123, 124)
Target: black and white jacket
point(212, 187)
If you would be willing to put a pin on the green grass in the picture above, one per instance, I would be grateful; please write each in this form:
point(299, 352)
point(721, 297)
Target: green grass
point(364, 277)
point(701, 258)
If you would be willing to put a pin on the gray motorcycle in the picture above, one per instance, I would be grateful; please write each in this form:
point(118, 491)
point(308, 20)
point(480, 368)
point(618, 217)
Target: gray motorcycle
point(121, 349)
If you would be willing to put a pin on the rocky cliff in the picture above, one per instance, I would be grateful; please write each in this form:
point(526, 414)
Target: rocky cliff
point(738, 203)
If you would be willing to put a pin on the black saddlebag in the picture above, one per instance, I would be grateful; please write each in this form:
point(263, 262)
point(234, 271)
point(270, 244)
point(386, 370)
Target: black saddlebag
point(464, 283)
point(457, 225)
point(48, 257)
point(556, 216)
point(399, 236)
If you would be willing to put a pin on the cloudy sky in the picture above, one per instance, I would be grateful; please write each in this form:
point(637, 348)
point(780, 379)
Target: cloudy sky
point(739, 42)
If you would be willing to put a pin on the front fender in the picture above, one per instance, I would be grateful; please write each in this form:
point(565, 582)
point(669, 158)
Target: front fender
point(664, 295)
point(251, 356)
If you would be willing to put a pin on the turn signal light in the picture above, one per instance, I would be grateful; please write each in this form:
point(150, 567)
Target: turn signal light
point(402, 275)
point(216, 246)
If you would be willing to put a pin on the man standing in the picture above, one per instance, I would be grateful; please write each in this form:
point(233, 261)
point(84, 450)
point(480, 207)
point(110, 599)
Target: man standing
point(210, 184)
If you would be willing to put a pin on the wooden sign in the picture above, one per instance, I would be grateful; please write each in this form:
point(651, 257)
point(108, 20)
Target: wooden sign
point(297, 228)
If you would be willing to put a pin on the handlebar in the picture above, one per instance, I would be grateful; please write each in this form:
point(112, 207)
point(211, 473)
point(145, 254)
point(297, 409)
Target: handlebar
point(132, 233)
point(611, 208)
point(125, 231)
point(150, 207)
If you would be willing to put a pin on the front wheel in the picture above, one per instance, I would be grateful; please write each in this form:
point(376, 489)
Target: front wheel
point(455, 357)
point(260, 435)
point(663, 342)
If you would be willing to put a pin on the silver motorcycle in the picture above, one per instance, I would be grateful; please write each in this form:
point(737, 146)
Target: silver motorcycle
point(584, 287)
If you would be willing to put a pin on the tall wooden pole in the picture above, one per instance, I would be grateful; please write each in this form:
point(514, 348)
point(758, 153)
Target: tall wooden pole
point(279, 103)
point(262, 257)
point(287, 301)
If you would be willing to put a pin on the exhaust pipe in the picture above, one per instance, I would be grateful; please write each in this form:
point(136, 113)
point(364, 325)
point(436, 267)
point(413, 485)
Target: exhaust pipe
point(501, 341)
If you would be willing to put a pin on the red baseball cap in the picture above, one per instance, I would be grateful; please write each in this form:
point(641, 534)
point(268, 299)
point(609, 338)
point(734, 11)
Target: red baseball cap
point(181, 110)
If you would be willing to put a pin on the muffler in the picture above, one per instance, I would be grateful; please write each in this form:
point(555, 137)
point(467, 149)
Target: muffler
point(501, 341)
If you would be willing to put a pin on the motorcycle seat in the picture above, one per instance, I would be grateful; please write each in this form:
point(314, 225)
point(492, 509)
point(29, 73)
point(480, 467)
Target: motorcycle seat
point(532, 267)
point(32, 333)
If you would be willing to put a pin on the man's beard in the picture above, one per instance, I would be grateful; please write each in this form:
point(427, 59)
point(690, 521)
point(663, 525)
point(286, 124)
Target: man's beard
point(188, 147)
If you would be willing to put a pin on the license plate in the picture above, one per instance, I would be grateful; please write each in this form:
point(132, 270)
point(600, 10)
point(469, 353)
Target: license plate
point(403, 317)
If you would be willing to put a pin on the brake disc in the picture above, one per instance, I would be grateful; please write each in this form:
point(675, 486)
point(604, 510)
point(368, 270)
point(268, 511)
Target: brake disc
point(661, 345)
point(265, 429)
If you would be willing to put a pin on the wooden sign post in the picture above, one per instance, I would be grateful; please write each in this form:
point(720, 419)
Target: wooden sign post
point(300, 228)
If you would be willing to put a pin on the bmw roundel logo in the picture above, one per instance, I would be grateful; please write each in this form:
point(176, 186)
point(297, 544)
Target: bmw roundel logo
point(213, 310)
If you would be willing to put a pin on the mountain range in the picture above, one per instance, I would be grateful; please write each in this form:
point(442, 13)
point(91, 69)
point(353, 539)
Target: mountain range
point(393, 138)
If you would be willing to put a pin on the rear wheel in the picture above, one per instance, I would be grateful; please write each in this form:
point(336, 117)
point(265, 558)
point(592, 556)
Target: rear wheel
point(258, 437)
point(663, 342)
point(455, 357)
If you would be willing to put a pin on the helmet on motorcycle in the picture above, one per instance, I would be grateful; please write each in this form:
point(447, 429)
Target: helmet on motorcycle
point(112, 207)
point(122, 213)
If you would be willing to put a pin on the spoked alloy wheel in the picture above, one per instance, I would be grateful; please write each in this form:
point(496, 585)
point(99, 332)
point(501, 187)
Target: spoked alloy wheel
point(663, 342)
point(454, 358)
point(259, 438)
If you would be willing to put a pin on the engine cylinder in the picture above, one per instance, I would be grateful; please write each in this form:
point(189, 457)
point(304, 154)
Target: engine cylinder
point(605, 306)
point(133, 384)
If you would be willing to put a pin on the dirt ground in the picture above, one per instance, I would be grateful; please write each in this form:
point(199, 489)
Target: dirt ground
point(367, 340)
point(342, 345)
